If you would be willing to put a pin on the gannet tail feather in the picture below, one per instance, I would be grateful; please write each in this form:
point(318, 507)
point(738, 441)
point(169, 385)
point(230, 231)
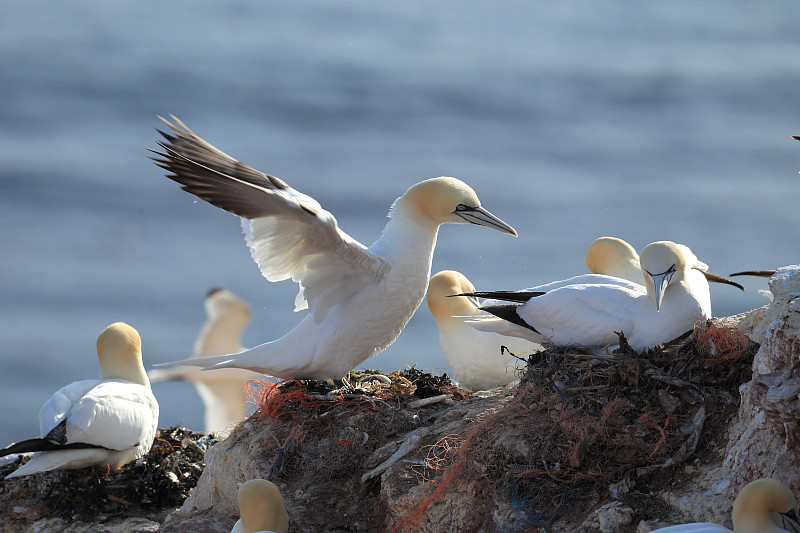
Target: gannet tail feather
point(44, 445)
point(506, 296)
point(508, 313)
point(56, 439)
point(203, 362)
point(719, 279)
point(760, 273)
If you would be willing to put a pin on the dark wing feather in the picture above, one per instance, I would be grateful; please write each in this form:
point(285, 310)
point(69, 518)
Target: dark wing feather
point(55, 440)
point(509, 314)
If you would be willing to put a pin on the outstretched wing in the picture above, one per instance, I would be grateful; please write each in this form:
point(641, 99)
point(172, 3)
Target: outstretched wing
point(289, 234)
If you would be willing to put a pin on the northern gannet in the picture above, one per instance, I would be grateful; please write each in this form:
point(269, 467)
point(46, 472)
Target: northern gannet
point(359, 298)
point(674, 297)
point(108, 421)
point(612, 256)
point(475, 357)
point(261, 509)
point(222, 392)
point(762, 506)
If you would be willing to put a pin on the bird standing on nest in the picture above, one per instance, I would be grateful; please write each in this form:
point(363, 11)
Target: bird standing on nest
point(359, 298)
point(108, 421)
point(762, 506)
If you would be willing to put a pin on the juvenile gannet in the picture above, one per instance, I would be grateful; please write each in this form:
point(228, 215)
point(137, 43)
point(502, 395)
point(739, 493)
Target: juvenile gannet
point(108, 421)
point(615, 257)
point(762, 506)
point(588, 313)
point(222, 392)
point(359, 298)
point(475, 357)
point(261, 509)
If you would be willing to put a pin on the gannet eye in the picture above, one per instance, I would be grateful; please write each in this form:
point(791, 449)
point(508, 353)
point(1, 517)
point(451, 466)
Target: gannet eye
point(462, 207)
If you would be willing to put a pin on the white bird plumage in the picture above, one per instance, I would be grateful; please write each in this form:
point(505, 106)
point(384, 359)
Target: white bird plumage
point(261, 508)
point(221, 392)
point(474, 356)
point(587, 310)
point(359, 299)
point(108, 421)
point(762, 506)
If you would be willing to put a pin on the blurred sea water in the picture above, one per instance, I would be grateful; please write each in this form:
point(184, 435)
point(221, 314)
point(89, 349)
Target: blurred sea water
point(572, 120)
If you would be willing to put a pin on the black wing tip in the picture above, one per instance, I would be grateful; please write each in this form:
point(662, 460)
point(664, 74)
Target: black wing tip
point(508, 312)
point(508, 296)
point(43, 445)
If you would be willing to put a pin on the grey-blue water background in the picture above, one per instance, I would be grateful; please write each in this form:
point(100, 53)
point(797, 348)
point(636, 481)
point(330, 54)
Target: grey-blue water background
point(645, 120)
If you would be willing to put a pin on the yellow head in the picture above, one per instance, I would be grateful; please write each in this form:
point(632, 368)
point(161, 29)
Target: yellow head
point(443, 285)
point(442, 200)
point(764, 504)
point(663, 263)
point(220, 302)
point(611, 256)
point(261, 507)
point(119, 350)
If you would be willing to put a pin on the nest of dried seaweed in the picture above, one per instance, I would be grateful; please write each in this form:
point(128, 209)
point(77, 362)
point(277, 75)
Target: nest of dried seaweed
point(161, 480)
point(345, 420)
point(583, 424)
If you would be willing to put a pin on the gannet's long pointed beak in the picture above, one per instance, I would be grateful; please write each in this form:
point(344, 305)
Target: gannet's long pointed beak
point(482, 217)
point(719, 279)
point(660, 284)
point(761, 273)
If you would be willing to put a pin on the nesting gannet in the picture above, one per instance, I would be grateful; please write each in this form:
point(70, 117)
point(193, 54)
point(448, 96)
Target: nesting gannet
point(222, 392)
point(261, 509)
point(615, 257)
point(673, 298)
point(108, 421)
point(475, 357)
point(359, 298)
point(762, 506)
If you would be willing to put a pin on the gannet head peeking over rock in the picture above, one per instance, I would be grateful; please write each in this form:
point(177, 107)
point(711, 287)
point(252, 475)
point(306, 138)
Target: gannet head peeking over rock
point(261, 508)
point(108, 421)
point(766, 505)
point(359, 298)
point(762, 506)
point(475, 357)
point(614, 257)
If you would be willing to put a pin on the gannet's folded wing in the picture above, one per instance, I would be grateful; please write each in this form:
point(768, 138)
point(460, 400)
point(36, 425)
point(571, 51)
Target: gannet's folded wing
point(55, 410)
point(290, 235)
point(116, 415)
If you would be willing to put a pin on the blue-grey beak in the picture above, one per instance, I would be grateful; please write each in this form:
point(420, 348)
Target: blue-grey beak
point(482, 217)
point(660, 284)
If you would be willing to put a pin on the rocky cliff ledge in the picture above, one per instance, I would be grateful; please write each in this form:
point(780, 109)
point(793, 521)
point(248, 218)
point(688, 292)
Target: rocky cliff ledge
point(583, 443)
